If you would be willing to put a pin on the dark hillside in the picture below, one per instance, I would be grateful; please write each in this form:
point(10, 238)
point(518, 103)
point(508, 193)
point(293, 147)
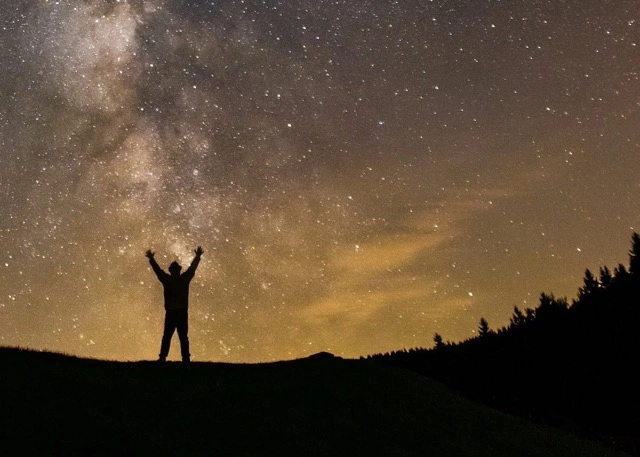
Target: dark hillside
point(58, 405)
point(571, 365)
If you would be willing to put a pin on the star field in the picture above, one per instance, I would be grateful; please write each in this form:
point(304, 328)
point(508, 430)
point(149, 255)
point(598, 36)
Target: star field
point(361, 174)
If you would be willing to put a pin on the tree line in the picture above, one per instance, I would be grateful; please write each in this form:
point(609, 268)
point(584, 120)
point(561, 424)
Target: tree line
point(562, 363)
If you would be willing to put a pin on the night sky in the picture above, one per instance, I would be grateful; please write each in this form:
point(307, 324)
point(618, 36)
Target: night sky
point(361, 174)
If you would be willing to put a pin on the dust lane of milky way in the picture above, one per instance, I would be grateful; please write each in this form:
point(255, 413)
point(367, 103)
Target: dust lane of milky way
point(361, 174)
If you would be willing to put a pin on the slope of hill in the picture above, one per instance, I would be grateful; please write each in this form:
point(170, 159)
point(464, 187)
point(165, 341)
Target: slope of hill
point(58, 405)
point(568, 364)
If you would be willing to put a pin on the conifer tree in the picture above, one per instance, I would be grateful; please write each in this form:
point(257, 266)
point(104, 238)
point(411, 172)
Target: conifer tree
point(550, 306)
point(483, 329)
point(437, 339)
point(530, 314)
point(518, 317)
point(634, 254)
point(620, 272)
point(605, 277)
point(591, 284)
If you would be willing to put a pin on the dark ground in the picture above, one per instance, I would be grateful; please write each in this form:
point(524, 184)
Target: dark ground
point(58, 405)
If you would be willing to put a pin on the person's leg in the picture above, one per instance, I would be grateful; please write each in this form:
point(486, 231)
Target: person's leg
point(183, 330)
point(169, 328)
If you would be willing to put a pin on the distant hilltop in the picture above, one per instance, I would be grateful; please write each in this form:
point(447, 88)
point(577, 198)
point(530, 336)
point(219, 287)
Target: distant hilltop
point(323, 355)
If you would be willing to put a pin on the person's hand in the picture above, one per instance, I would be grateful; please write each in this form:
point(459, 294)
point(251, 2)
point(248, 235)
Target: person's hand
point(199, 251)
point(150, 253)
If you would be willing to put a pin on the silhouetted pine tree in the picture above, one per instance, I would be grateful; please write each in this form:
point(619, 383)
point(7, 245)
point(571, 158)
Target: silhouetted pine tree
point(634, 254)
point(590, 286)
point(518, 317)
point(530, 314)
point(437, 340)
point(551, 307)
point(605, 277)
point(483, 328)
point(620, 273)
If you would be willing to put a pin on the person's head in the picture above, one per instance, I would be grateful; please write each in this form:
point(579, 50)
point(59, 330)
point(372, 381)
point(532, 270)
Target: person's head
point(175, 268)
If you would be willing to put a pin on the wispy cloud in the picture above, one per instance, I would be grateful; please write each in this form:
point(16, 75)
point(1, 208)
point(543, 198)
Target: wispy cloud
point(393, 267)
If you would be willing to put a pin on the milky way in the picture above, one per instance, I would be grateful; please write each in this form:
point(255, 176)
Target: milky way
point(361, 174)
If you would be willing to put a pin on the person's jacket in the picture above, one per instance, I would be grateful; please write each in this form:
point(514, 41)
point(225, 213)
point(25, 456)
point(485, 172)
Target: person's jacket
point(176, 287)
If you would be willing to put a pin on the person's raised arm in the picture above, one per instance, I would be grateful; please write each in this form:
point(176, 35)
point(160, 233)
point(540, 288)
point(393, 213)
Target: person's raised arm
point(194, 263)
point(156, 268)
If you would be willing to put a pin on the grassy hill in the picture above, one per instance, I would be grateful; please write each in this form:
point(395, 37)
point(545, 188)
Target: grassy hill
point(59, 405)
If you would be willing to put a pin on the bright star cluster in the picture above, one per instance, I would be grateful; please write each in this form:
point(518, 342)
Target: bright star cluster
point(361, 174)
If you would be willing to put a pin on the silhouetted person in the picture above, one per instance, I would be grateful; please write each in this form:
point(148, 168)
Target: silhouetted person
point(176, 302)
